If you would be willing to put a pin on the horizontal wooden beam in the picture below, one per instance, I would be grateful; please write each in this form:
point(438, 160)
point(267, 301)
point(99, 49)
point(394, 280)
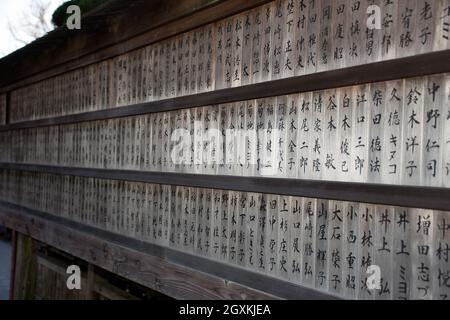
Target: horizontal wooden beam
point(395, 195)
point(420, 65)
point(172, 272)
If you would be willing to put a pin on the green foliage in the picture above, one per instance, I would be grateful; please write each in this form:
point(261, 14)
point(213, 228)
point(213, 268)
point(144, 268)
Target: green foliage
point(60, 15)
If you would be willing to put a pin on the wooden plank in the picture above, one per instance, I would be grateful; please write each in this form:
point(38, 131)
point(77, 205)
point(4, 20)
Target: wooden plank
point(412, 132)
point(350, 252)
point(365, 234)
point(406, 196)
point(384, 250)
point(322, 237)
point(433, 131)
point(295, 247)
point(312, 39)
point(251, 235)
point(224, 229)
point(308, 241)
point(263, 203)
point(267, 46)
point(376, 104)
point(280, 141)
point(284, 236)
point(272, 234)
point(442, 33)
point(288, 54)
point(237, 51)
point(360, 134)
point(233, 216)
point(241, 228)
point(331, 128)
point(426, 64)
point(422, 247)
point(407, 28)
point(278, 28)
point(439, 271)
point(393, 140)
point(345, 112)
point(335, 251)
point(292, 129)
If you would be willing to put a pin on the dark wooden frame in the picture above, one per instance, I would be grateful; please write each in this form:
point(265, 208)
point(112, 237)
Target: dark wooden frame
point(395, 195)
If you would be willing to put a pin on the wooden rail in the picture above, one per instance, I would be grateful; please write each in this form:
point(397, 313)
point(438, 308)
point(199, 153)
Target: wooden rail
point(396, 195)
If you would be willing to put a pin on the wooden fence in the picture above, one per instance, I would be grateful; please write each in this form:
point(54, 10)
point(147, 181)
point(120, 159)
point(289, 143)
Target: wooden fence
point(278, 152)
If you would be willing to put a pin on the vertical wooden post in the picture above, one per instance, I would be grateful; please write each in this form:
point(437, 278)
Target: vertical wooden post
point(13, 264)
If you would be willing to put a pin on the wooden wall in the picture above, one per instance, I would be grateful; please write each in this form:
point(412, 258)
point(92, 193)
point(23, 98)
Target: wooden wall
point(332, 149)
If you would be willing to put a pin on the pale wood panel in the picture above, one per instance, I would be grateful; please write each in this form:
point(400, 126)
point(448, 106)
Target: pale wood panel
point(225, 221)
point(292, 128)
point(393, 139)
point(335, 252)
point(442, 27)
point(281, 139)
point(376, 161)
point(312, 38)
point(228, 53)
point(407, 27)
point(345, 124)
point(272, 234)
point(199, 222)
point(402, 266)
point(251, 232)
point(233, 207)
point(325, 39)
point(446, 126)
point(241, 139)
point(262, 242)
point(268, 13)
point(315, 139)
point(308, 241)
point(351, 250)
point(216, 198)
point(322, 237)
point(360, 133)
point(433, 130)
point(422, 247)
point(284, 233)
point(439, 270)
point(278, 28)
point(331, 129)
point(412, 133)
point(384, 251)
point(219, 45)
point(295, 248)
point(269, 145)
point(192, 218)
point(237, 49)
